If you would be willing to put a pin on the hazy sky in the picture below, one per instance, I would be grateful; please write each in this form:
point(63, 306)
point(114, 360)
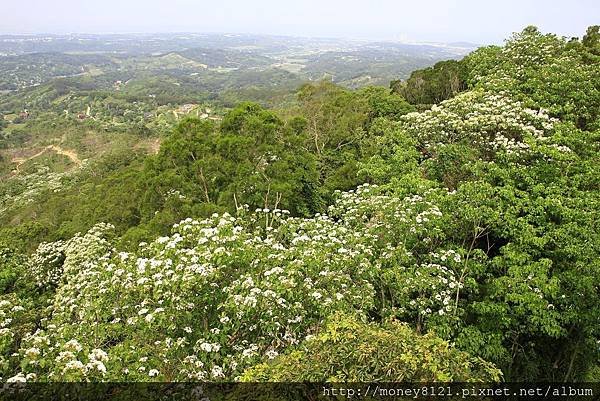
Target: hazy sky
point(421, 20)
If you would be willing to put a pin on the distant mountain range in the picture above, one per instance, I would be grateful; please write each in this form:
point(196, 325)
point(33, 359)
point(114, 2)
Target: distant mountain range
point(152, 43)
point(31, 60)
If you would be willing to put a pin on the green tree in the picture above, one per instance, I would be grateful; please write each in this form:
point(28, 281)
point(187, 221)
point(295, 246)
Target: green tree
point(348, 350)
point(434, 84)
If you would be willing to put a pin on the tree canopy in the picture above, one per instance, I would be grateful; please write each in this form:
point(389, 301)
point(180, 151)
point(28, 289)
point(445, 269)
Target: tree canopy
point(444, 229)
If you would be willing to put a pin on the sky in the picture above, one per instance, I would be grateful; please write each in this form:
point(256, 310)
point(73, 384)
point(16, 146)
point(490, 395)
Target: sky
point(416, 20)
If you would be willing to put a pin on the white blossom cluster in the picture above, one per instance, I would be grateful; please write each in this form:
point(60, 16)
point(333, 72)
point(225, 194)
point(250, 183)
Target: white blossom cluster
point(11, 312)
point(27, 188)
point(222, 294)
point(526, 49)
point(491, 122)
point(47, 263)
point(525, 52)
point(424, 278)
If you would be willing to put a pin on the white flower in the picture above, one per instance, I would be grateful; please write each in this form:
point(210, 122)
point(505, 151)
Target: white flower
point(73, 345)
point(33, 352)
point(153, 373)
point(98, 355)
point(317, 295)
point(64, 355)
point(251, 351)
point(217, 371)
point(98, 365)
point(75, 365)
point(206, 347)
point(271, 354)
point(19, 378)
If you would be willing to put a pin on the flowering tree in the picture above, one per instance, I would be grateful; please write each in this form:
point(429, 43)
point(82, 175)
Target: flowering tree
point(477, 228)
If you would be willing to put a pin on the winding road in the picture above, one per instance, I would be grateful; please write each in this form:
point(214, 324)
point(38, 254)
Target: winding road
point(61, 151)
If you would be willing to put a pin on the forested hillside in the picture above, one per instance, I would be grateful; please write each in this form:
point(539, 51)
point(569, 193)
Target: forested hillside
point(442, 229)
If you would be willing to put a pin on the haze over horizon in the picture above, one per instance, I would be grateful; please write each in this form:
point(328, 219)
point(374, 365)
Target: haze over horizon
point(427, 21)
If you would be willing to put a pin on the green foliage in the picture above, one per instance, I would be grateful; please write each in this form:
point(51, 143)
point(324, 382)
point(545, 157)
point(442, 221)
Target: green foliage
point(522, 210)
point(476, 227)
point(251, 158)
point(434, 84)
point(391, 143)
point(347, 350)
point(338, 128)
point(480, 62)
point(546, 72)
point(591, 42)
point(11, 268)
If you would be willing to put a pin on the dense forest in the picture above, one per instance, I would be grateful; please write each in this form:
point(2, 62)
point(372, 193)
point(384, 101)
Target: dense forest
point(444, 228)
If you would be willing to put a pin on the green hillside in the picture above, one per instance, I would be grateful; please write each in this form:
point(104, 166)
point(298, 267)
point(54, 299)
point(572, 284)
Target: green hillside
point(224, 228)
